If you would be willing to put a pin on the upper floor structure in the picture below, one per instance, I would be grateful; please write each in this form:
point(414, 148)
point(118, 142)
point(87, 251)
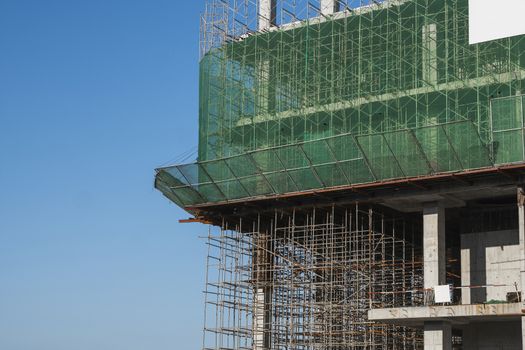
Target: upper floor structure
point(299, 97)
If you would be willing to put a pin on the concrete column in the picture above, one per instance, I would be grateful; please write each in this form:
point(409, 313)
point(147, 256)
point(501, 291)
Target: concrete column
point(267, 14)
point(262, 299)
point(266, 18)
point(438, 336)
point(261, 319)
point(434, 245)
point(329, 7)
point(263, 87)
point(521, 227)
point(430, 62)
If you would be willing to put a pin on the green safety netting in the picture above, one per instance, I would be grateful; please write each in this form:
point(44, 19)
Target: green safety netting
point(395, 65)
point(331, 162)
point(390, 91)
point(508, 126)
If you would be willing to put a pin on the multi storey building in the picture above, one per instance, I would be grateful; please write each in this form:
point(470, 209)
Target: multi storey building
point(360, 165)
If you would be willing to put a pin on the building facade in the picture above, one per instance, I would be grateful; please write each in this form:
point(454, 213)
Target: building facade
point(360, 165)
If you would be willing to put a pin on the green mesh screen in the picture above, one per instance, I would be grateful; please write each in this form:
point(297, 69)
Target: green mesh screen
point(391, 92)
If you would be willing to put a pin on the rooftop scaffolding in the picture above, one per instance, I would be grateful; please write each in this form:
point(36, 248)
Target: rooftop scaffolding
point(378, 91)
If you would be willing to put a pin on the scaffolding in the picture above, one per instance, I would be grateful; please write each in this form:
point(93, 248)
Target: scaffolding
point(372, 67)
point(321, 98)
point(379, 90)
point(307, 278)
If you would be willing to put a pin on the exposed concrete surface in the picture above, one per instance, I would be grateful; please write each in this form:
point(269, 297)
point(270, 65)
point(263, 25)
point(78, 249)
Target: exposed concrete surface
point(438, 335)
point(329, 7)
point(267, 14)
point(490, 259)
point(454, 313)
point(430, 70)
point(434, 245)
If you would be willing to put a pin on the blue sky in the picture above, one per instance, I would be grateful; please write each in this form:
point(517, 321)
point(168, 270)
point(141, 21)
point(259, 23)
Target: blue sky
point(93, 96)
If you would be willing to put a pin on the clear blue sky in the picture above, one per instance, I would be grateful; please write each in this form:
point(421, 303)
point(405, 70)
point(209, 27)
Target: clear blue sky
point(93, 96)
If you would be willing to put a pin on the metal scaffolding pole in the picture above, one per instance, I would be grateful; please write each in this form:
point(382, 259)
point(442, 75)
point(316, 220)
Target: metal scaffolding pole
point(305, 279)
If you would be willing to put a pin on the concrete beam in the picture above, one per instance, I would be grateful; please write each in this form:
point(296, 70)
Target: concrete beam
point(416, 316)
point(267, 14)
point(329, 7)
point(434, 245)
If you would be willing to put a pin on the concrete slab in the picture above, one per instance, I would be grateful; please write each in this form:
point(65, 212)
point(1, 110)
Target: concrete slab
point(456, 314)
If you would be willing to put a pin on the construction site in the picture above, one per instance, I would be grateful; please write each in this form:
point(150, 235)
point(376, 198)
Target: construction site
point(360, 176)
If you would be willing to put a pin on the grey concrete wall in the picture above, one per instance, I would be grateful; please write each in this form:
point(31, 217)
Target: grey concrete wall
point(492, 336)
point(489, 258)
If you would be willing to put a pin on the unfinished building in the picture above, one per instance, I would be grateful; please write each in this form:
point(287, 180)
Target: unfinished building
point(360, 168)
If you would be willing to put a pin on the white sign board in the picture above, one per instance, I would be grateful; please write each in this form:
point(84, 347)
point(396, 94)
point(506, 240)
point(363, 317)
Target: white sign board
point(491, 20)
point(442, 294)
